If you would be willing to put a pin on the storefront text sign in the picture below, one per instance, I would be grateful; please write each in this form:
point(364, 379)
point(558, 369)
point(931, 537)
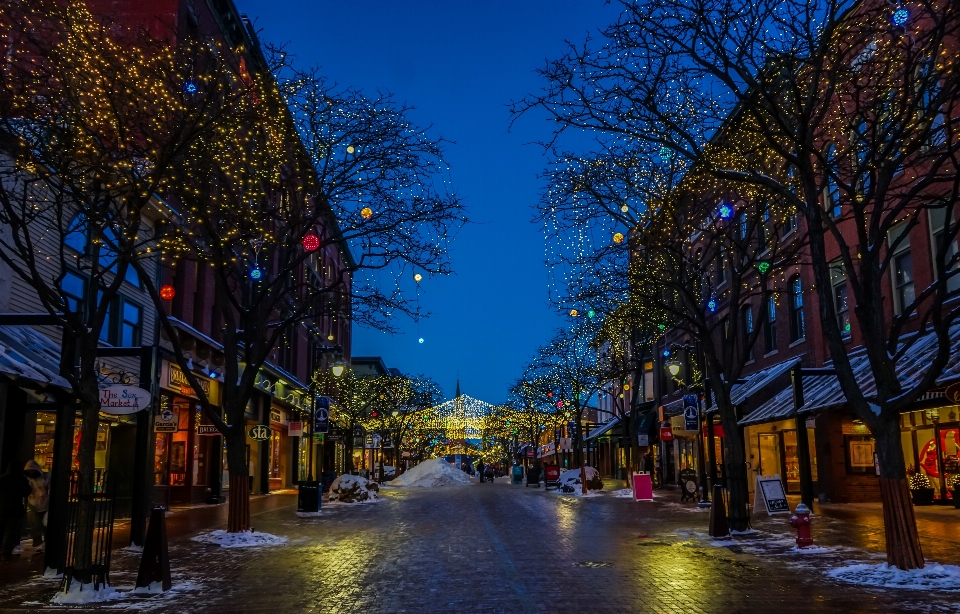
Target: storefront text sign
point(207, 429)
point(259, 432)
point(118, 400)
point(295, 428)
point(162, 425)
point(177, 381)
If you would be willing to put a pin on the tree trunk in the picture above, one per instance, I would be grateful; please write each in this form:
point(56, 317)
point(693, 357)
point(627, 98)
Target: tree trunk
point(899, 523)
point(735, 467)
point(86, 513)
point(238, 505)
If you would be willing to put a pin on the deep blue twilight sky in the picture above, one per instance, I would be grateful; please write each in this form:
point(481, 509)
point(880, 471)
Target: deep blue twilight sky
point(459, 63)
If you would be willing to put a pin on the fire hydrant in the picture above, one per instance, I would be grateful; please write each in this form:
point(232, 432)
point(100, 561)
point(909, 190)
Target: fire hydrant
point(801, 520)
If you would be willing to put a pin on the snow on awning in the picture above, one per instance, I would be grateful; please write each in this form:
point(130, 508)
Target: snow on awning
point(603, 428)
point(822, 392)
point(758, 381)
point(26, 354)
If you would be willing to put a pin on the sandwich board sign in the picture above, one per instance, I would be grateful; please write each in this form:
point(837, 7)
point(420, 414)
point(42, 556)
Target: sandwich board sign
point(642, 487)
point(769, 491)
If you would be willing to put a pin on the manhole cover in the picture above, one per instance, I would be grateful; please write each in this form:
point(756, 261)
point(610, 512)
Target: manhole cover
point(592, 564)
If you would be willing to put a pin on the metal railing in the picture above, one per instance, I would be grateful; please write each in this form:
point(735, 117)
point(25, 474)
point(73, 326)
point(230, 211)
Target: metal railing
point(100, 508)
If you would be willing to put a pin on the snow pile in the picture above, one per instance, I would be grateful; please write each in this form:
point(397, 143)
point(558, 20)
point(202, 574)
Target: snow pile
point(430, 473)
point(570, 480)
point(79, 593)
point(810, 550)
point(932, 577)
point(353, 489)
point(623, 493)
point(243, 539)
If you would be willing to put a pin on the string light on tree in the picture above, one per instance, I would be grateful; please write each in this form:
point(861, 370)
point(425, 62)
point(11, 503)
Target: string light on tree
point(418, 278)
point(574, 313)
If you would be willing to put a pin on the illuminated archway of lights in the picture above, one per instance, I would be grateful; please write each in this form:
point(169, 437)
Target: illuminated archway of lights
point(460, 421)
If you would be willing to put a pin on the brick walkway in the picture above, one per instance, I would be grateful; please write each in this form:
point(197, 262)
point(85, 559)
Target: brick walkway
point(502, 548)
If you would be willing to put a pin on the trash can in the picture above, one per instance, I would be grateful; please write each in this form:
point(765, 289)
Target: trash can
point(533, 476)
point(308, 496)
point(517, 474)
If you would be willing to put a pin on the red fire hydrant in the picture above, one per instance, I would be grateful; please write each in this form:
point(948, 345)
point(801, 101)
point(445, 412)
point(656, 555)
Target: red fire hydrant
point(801, 520)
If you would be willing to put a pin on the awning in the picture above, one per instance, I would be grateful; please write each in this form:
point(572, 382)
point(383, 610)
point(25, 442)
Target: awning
point(757, 382)
point(603, 428)
point(822, 392)
point(26, 354)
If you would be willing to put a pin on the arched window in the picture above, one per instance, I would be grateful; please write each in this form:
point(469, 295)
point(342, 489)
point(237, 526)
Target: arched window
point(797, 329)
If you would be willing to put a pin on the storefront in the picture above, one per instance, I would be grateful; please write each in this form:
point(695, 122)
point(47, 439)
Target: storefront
point(772, 450)
point(188, 458)
point(931, 444)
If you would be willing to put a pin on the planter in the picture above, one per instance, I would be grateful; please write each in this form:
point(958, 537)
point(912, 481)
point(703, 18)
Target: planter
point(922, 496)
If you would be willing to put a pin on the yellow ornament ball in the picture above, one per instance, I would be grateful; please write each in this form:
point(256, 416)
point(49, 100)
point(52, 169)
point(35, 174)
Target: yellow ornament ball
point(417, 277)
point(366, 213)
point(618, 237)
point(574, 313)
point(350, 149)
point(625, 208)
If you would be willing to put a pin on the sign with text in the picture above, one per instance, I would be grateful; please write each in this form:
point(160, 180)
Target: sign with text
point(295, 428)
point(162, 425)
point(259, 432)
point(177, 381)
point(643, 440)
point(321, 417)
point(207, 429)
point(769, 491)
point(119, 400)
point(642, 487)
point(691, 415)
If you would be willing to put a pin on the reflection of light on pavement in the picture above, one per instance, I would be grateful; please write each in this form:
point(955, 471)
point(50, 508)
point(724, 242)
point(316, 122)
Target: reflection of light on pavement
point(565, 516)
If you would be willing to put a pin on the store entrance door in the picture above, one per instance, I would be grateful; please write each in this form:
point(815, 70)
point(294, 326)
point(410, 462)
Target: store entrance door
point(768, 445)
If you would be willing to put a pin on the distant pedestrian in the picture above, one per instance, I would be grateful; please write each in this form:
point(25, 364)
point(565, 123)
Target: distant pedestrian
point(480, 470)
point(14, 488)
point(488, 471)
point(38, 501)
point(648, 463)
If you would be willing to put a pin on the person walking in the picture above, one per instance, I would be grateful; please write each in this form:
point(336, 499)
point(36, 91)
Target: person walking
point(14, 488)
point(480, 470)
point(38, 501)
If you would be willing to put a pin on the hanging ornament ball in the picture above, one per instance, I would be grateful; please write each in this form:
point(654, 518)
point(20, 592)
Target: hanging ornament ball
point(311, 242)
point(574, 313)
point(366, 213)
point(662, 326)
point(618, 237)
point(900, 16)
point(625, 208)
point(712, 305)
point(350, 149)
point(418, 278)
point(421, 340)
point(591, 314)
point(330, 337)
point(725, 211)
point(167, 292)
point(665, 153)
point(559, 403)
point(256, 273)
point(190, 87)
point(763, 266)
point(626, 386)
point(550, 393)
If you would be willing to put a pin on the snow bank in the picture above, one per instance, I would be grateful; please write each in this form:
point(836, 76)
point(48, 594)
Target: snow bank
point(353, 489)
point(570, 480)
point(85, 593)
point(430, 473)
point(932, 577)
point(623, 493)
point(243, 539)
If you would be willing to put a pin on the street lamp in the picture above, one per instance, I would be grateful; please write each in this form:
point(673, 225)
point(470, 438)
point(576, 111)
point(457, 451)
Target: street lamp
point(338, 368)
point(673, 367)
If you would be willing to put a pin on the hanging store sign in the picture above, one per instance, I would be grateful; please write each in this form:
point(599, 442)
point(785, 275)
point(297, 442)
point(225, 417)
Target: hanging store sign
point(119, 400)
point(666, 433)
point(691, 414)
point(321, 417)
point(207, 429)
point(178, 382)
point(259, 432)
point(295, 428)
point(166, 421)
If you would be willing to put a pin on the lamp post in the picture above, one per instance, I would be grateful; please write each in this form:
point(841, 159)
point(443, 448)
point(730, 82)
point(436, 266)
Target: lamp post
point(309, 492)
point(673, 368)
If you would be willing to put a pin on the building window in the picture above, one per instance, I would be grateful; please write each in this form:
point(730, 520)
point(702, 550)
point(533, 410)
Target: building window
point(831, 191)
point(797, 329)
point(838, 281)
point(746, 319)
point(770, 333)
point(721, 266)
point(903, 291)
point(742, 225)
point(73, 287)
point(859, 451)
point(131, 325)
point(948, 258)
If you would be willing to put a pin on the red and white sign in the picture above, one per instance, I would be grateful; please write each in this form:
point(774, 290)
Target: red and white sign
point(666, 433)
point(295, 428)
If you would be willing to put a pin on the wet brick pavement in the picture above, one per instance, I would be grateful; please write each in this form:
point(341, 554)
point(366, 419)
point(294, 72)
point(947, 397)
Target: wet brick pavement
point(501, 548)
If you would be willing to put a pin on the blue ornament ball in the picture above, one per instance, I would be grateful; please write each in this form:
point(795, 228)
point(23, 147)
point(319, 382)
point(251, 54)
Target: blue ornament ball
point(190, 87)
point(900, 16)
point(256, 273)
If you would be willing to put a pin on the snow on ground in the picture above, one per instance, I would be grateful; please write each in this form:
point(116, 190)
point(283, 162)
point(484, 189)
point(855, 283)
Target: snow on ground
point(85, 593)
point(570, 481)
point(933, 576)
point(243, 539)
point(353, 489)
point(623, 493)
point(430, 473)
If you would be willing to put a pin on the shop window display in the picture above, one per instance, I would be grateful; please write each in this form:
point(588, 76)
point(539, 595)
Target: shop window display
point(43, 440)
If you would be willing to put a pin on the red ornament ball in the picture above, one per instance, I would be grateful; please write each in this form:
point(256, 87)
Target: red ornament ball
point(167, 292)
point(311, 242)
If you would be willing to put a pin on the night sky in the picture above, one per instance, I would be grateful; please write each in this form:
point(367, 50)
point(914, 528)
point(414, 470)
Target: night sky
point(459, 63)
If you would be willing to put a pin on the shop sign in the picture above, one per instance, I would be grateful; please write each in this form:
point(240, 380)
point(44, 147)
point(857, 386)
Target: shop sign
point(118, 400)
point(666, 433)
point(259, 432)
point(769, 490)
point(295, 428)
point(679, 426)
point(321, 417)
point(178, 382)
point(318, 438)
point(643, 440)
point(207, 429)
point(953, 393)
point(691, 415)
point(166, 421)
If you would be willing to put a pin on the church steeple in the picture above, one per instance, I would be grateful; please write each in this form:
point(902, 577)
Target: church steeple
point(458, 389)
